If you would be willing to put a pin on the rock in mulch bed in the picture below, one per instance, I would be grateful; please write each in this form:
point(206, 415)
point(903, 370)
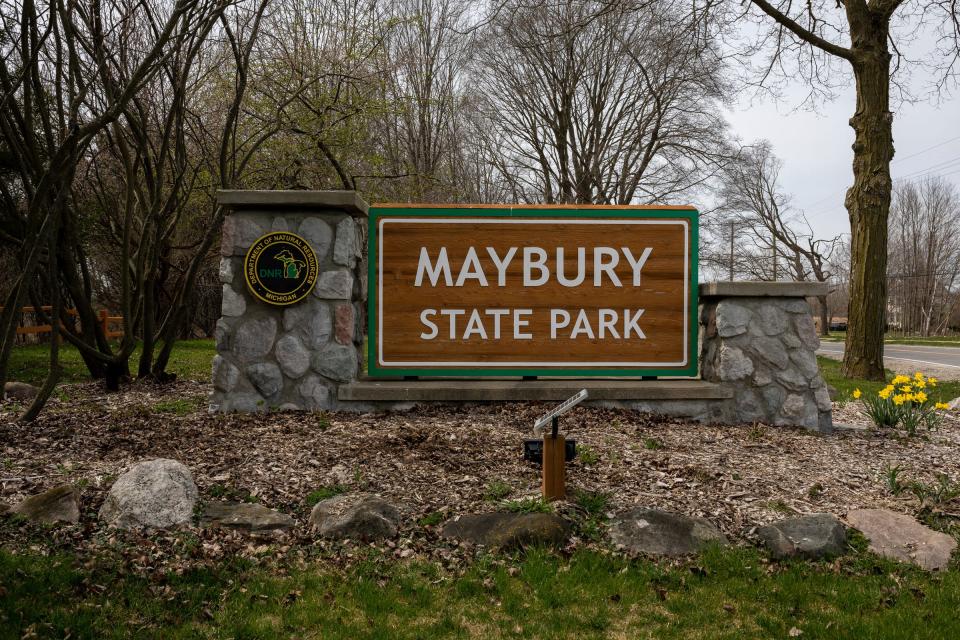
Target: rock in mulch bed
point(818, 535)
point(59, 504)
point(509, 530)
point(900, 537)
point(156, 494)
point(663, 533)
point(19, 391)
point(251, 518)
point(357, 516)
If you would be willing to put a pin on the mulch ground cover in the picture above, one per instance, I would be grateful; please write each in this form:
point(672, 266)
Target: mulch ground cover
point(435, 463)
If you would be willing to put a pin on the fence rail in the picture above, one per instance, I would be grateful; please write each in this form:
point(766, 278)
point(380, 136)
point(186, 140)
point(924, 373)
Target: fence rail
point(104, 318)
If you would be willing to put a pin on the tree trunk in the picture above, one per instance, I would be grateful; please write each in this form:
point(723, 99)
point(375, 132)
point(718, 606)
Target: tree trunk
point(824, 316)
point(868, 200)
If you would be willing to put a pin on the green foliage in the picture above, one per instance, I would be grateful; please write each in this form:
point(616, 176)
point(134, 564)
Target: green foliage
point(431, 519)
point(652, 443)
point(323, 493)
point(231, 494)
point(830, 370)
point(497, 490)
point(180, 406)
point(587, 455)
point(527, 505)
point(595, 503)
point(891, 477)
point(731, 594)
point(815, 491)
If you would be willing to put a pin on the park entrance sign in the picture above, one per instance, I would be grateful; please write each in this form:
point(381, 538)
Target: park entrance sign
point(535, 291)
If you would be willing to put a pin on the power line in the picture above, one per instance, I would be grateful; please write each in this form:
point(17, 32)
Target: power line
point(895, 161)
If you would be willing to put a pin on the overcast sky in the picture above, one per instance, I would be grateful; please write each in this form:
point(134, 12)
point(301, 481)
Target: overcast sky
point(816, 148)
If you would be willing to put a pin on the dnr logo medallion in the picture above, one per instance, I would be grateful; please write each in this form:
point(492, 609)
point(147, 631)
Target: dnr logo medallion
point(280, 268)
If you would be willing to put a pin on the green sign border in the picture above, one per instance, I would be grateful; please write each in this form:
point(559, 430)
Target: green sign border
point(376, 213)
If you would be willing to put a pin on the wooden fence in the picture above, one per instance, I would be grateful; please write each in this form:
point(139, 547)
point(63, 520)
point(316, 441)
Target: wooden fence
point(28, 330)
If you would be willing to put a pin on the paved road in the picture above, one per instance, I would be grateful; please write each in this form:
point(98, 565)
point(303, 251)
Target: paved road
point(947, 357)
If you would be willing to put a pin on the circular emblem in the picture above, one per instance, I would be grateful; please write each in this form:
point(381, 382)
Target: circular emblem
point(280, 268)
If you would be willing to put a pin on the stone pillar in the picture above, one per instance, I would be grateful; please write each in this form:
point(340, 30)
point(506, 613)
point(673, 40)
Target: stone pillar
point(758, 339)
point(293, 357)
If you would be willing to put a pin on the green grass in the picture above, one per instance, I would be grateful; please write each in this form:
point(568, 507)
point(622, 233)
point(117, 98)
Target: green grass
point(323, 493)
point(945, 390)
point(30, 363)
point(527, 505)
point(893, 338)
point(497, 490)
point(730, 594)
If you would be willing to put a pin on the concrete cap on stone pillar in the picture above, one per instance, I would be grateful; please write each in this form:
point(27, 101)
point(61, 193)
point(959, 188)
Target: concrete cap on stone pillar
point(763, 289)
point(346, 201)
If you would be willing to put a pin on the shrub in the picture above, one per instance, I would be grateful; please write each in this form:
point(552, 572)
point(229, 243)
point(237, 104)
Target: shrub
point(904, 403)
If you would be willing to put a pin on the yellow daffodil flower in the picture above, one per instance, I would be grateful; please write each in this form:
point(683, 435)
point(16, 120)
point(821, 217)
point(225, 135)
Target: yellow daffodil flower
point(920, 397)
point(906, 389)
point(941, 406)
point(932, 381)
point(898, 400)
point(856, 394)
point(918, 376)
point(900, 380)
point(885, 393)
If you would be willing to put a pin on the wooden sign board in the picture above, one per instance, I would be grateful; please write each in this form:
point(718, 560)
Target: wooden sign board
point(533, 291)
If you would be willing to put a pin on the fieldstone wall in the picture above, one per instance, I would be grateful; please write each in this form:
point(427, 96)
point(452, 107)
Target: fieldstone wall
point(757, 339)
point(293, 357)
point(763, 347)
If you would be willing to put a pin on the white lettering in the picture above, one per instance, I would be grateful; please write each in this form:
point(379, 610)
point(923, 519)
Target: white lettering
point(502, 263)
point(453, 313)
point(434, 271)
point(475, 326)
point(555, 323)
point(471, 269)
point(608, 322)
point(582, 326)
point(428, 323)
point(636, 264)
point(518, 324)
point(497, 314)
point(529, 264)
point(581, 268)
point(600, 266)
point(630, 324)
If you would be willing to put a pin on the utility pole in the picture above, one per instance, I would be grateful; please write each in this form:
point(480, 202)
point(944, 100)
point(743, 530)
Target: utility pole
point(731, 251)
point(774, 257)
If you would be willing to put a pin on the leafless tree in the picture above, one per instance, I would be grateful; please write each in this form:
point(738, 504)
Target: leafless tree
point(924, 255)
point(780, 241)
point(427, 53)
point(68, 72)
point(603, 102)
point(824, 42)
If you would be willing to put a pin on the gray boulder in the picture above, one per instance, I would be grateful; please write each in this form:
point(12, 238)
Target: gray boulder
point(60, 504)
point(19, 391)
point(156, 494)
point(662, 533)
point(360, 516)
point(336, 362)
point(509, 530)
point(900, 537)
point(818, 535)
point(251, 518)
point(266, 378)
